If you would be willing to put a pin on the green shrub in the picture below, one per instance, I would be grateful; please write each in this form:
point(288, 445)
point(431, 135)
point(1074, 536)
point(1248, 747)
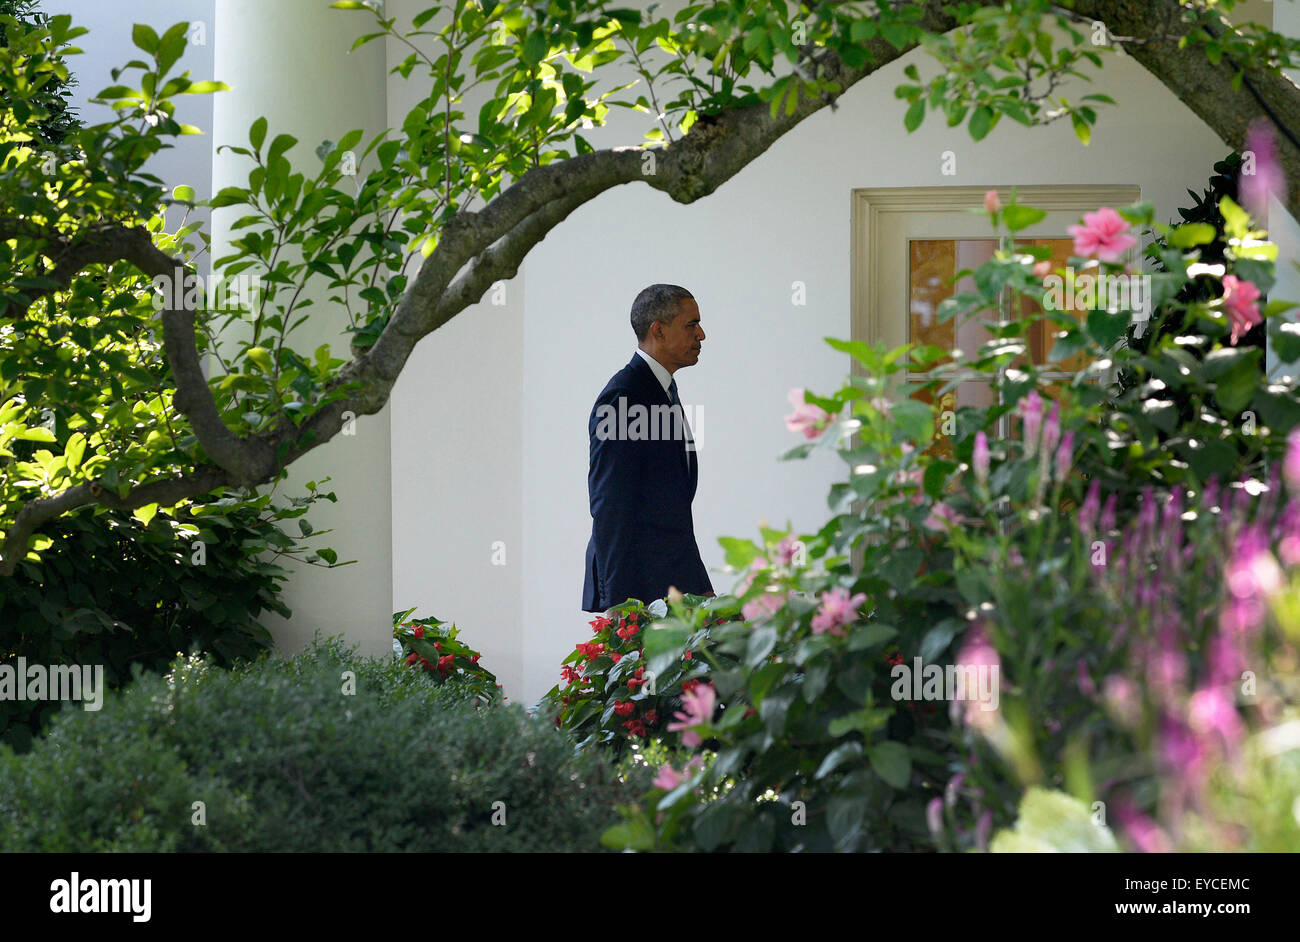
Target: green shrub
point(608, 698)
point(433, 648)
point(284, 758)
point(112, 590)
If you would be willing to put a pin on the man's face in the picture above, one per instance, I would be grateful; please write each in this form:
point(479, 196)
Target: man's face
point(680, 341)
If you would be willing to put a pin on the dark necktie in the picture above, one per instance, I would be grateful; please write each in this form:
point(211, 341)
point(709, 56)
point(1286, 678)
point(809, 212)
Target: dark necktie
point(672, 397)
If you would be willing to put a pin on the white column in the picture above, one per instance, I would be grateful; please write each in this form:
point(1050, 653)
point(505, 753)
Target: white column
point(289, 61)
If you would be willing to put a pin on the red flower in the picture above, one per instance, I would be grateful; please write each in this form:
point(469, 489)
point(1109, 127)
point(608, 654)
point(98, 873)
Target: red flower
point(437, 646)
point(748, 713)
point(599, 624)
point(652, 717)
point(635, 728)
point(627, 631)
point(633, 683)
point(419, 631)
point(557, 721)
point(895, 658)
point(446, 663)
point(474, 659)
point(624, 707)
point(425, 661)
point(412, 658)
point(632, 618)
point(686, 656)
point(688, 686)
point(569, 674)
point(616, 656)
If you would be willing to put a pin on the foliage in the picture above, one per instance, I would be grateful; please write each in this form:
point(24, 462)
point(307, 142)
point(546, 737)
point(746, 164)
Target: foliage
point(816, 748)
point(324, 752)
point(433, 645)
point(119, 590)
point(607, 697)
point(1051, 822)
point(56, 118)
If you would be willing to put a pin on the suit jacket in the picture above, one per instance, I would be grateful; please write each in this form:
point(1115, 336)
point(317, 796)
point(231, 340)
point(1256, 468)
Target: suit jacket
point(640, 488)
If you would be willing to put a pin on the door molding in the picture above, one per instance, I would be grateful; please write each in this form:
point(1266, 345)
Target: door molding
point(873, 209)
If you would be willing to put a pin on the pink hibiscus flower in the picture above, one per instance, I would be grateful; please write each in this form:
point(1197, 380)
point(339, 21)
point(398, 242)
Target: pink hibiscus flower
point(808, 419)
point(838, 609)
point(1240, 298)
point(1103, 234)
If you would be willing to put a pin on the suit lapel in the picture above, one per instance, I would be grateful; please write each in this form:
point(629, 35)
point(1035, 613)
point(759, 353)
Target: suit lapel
point(653, 389)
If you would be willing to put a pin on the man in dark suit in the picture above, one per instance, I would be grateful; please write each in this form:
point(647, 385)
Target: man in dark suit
point(644, 467)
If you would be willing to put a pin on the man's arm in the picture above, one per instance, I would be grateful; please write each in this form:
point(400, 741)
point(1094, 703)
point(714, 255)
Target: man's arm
point(614, 486)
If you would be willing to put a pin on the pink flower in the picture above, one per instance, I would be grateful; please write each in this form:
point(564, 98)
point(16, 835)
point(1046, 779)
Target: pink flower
point(768, 603)
point(785, 550)
point(807, 418)
point(980, 457)
point(1291, 465)
point(838, 609)
point(1052, 428)
point(1122, 698)
point(1142, 831)
point(1086, 685)
point(1240, 298)
point(934, 810)
point(669, 778)
point(697, 709)
point(1030, 410)
point(942, 517)
point(1103, 234)
point(1211, 712)
point(991, 202)
point(1252, 571)
point(1267, 178)
point(1043, 268)
point(978, 651)
point(1065, 456)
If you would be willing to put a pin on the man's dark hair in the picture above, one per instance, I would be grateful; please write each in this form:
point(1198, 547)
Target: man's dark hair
point(656, 303)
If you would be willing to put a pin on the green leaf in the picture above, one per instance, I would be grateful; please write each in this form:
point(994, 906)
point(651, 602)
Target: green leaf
point(145, 38)
point(981, 122)
point(183, 193)
point(145, 514)
point(915, 115)
point(1082, 129)
point(1192, 234)
point(1285, 339)
point(761, 642)
point(261, 358)
point(257, 133)
point(844, 817)
point(1019, 217)
point(1236, 220)
point(892, 762)
point(837, 757)
point(1106, 328)
point(636, 833)
point(281, 144)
